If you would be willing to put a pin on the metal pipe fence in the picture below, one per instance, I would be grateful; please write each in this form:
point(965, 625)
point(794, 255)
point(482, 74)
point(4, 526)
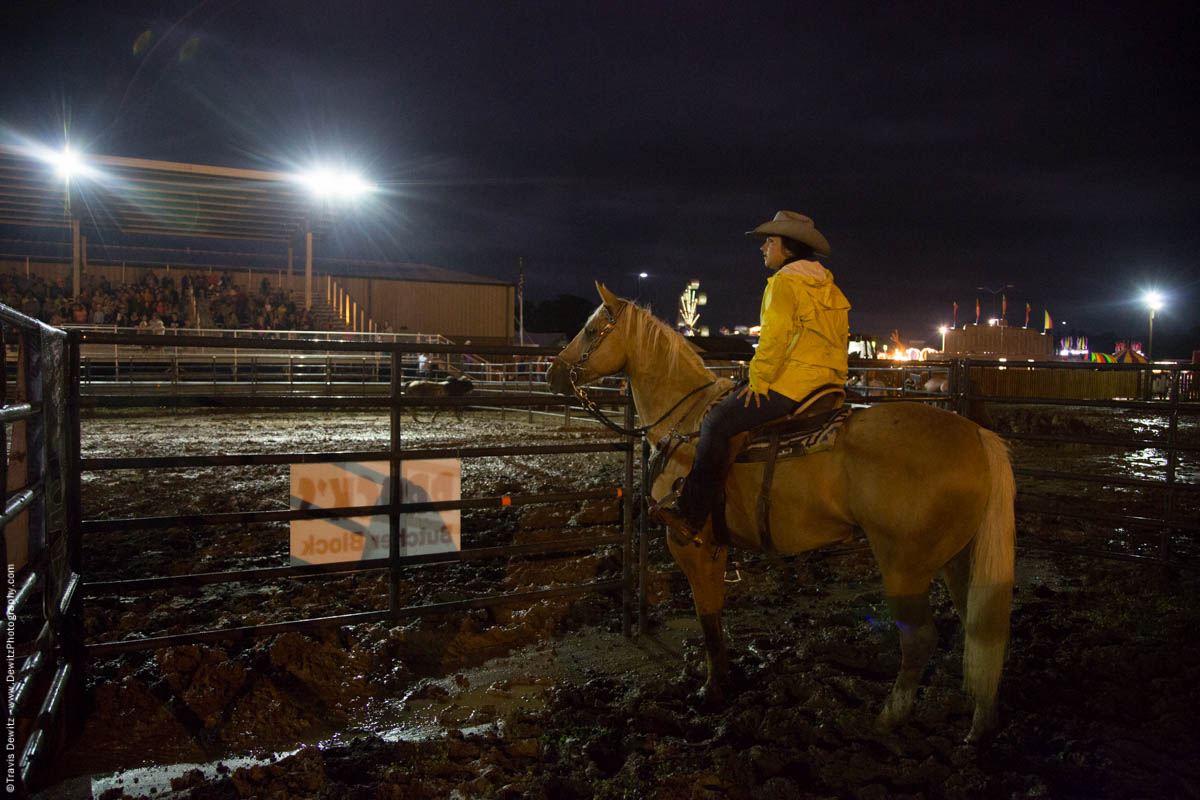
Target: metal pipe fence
point(1048, 480)
point(1120, 454)
point(42, 630)
point(349, 397)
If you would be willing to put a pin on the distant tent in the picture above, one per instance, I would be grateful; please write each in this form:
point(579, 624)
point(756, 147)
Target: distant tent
point(1128, 356)
point(1103, 358)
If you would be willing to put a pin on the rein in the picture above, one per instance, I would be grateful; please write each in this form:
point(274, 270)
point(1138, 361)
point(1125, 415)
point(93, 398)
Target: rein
point(590, 405)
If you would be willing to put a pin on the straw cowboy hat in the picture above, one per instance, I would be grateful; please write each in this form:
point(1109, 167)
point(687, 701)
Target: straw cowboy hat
point(794, 226)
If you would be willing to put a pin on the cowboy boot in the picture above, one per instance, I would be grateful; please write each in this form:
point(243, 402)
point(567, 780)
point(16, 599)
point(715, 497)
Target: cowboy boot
point(669, 512)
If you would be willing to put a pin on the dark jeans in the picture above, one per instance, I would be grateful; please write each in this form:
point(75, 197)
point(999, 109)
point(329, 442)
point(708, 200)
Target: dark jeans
point(727, 419)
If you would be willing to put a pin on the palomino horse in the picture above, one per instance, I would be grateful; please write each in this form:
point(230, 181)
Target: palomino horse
point(930, 490)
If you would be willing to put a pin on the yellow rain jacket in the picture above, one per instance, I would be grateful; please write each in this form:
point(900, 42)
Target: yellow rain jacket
point(805, 332)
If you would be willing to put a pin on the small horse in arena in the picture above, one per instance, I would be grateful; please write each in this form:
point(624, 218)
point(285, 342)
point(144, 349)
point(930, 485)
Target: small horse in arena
point(932, 492)
point(451, 387)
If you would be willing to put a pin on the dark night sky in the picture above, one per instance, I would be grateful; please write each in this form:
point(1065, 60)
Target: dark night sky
point(939, 146)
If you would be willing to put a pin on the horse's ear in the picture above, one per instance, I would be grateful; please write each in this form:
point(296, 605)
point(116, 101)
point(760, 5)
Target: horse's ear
point(611, 301)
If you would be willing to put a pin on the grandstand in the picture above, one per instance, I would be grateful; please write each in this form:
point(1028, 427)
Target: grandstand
point(196, 281)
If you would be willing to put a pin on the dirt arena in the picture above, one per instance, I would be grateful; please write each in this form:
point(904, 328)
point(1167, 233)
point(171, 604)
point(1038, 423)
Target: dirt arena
point(1101, 695)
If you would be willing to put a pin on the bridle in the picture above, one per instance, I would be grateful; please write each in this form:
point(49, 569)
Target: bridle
point(589, 405)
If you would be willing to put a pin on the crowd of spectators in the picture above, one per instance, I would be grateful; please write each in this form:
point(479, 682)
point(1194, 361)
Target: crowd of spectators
point(155, 303)
point(268, 309)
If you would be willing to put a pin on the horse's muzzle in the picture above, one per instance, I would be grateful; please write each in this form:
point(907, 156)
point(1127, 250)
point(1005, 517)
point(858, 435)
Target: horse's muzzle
point(559, 377)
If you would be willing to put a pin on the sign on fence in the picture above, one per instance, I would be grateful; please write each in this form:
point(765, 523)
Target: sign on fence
point(337, 485)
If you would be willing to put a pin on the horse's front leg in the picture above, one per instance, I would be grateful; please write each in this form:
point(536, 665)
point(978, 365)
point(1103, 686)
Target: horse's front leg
point(704, 566)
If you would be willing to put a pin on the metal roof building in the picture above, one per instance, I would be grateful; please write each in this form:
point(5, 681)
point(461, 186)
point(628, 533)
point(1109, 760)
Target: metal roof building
point(114, 197)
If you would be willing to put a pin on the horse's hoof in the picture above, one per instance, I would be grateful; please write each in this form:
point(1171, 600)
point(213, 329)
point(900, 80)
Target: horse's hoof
point(977, 735)
point(896, 711)
point(710, 697)
point(887, 723)
point(983, 724)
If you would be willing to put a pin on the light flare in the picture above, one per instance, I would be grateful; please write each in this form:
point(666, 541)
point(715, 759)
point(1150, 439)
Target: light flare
point(339, 185)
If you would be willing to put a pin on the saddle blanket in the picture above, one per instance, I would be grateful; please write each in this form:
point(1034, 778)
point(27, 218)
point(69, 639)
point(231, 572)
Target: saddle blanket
point(796, 437)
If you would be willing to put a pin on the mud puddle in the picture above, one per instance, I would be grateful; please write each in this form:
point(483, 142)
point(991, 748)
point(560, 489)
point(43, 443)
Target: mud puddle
point(474, 700)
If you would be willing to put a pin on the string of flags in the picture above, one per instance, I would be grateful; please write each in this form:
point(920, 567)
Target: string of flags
point(1047, 325)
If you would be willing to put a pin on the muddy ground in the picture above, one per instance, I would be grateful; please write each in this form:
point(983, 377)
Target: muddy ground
point(1101, 696)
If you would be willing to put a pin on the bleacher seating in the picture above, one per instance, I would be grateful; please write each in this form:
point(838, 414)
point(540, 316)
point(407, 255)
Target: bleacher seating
point(207, 300)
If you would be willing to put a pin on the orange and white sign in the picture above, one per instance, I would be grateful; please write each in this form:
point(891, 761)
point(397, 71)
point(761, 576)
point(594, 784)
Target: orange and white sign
point(338, 485)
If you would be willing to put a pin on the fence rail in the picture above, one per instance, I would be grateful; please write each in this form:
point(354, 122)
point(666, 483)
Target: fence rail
point(1165, 433)
point(383, 390)
point(42, 631)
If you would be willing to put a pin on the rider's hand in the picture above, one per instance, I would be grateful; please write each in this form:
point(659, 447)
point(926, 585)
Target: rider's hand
point(747, 393)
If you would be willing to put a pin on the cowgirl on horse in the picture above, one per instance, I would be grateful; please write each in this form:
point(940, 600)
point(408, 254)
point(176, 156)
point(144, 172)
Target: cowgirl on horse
point(931, 491)
point(802, 346)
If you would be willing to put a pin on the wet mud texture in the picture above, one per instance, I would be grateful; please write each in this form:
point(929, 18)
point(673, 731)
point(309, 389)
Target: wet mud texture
point(1101, 695)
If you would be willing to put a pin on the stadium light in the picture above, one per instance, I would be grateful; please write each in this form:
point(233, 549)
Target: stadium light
point(339, 185)
point(942, 330)
point(1153, 301)
point(68, 163)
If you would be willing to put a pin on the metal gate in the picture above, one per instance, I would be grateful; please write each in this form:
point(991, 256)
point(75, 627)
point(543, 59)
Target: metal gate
point(394, 401)
point(42, 633)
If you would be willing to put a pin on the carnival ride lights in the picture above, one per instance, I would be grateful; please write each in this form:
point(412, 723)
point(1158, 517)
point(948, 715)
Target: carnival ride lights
point(908, 353)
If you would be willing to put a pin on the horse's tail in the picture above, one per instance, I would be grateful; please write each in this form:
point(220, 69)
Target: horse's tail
point(989, 598)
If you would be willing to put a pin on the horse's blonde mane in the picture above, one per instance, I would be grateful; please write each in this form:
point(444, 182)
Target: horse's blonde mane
point(661, 335)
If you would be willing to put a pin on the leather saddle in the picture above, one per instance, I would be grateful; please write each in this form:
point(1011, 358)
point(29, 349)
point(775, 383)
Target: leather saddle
point(811, 428)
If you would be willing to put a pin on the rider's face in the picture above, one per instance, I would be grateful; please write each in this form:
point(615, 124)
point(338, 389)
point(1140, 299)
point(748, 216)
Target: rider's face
point(773, 252)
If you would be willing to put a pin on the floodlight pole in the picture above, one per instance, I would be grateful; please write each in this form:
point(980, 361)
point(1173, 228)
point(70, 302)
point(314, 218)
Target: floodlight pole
point(1150, 345)
point(76, 256)
point(308, 269)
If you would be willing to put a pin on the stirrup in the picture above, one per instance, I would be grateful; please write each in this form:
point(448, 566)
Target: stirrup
point(667, 512)
point(668, 503)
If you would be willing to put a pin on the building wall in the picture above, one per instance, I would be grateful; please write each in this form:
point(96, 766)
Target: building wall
point(456, 310)
point(999, 341)
point(1101, 383)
